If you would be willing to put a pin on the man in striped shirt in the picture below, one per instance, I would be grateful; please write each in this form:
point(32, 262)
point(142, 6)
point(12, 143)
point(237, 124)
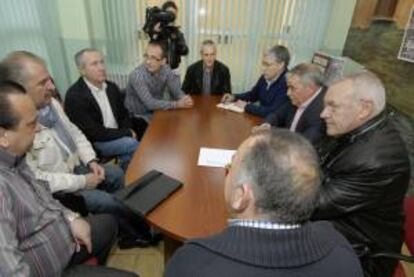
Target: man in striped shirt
point(147, 84)
point(38, 236)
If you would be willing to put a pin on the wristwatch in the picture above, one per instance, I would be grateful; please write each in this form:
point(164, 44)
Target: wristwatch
point(72, 216)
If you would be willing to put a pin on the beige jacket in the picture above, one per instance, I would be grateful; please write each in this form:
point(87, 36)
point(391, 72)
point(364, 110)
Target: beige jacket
point(49, 164)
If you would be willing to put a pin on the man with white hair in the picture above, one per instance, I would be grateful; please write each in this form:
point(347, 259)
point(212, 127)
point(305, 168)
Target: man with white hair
point(366, 171)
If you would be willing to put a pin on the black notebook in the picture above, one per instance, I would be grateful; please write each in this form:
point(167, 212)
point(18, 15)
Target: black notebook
point(144, 194)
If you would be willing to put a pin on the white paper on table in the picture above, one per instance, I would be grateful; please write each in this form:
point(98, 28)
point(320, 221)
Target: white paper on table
point(214, 157)
point(231, 107)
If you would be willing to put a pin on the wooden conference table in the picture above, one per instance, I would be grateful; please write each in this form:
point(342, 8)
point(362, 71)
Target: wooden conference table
point(171, 145)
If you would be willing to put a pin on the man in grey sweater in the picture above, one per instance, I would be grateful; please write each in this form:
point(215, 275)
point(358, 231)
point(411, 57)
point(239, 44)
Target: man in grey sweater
point(147, 84)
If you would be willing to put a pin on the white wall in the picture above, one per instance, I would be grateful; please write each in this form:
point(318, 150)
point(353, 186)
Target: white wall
point(338, 26)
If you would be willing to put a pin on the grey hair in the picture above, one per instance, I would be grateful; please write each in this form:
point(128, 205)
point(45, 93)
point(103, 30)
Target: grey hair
point(280, 53)
point(16, 65)
point(308, 74)
point(283, 170)
point(367, 86)
point(207, 42)
point(79, 56)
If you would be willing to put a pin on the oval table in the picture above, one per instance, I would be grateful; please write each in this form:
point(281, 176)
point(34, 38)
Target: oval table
point(171, 145)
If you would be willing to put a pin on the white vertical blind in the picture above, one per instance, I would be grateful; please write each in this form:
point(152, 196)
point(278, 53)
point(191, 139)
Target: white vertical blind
point(32, 25)
point(242, 29)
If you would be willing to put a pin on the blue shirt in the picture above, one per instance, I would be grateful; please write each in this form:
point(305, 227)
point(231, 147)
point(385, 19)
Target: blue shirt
point(270, 99)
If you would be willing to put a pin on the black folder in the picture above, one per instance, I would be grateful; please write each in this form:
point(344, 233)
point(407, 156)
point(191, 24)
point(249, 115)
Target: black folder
point(144, 194)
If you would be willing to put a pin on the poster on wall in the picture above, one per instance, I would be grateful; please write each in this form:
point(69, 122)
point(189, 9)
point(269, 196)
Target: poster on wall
point(331, 66)
point(407, 46)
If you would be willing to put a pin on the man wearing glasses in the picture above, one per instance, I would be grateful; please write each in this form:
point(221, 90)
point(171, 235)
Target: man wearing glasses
point(270, 90)
point(147, 84)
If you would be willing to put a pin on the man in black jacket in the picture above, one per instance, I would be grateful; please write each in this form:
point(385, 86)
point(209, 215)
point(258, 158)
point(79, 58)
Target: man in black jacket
point(302, 113)
point(207, 76)
point(270, 192)
point(366, 171)
point(95, 105)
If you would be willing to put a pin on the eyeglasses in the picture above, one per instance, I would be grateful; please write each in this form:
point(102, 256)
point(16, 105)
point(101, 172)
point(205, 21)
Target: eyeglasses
point(227, 168)
point(151, 58)
point(267, 65)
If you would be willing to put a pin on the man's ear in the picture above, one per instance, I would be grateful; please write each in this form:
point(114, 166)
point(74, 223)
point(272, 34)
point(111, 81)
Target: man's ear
point(4, 140)
point(164, 61)
point(367, 109)
point(81, 70)
point(242, 198)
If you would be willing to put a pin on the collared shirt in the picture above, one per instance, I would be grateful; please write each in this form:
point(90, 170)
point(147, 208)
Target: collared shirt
point(35, 236)
point(146, 91)
point(207, 72)
point(261, 224)
point(301, 109)
point(270, 82)
point(102, 99)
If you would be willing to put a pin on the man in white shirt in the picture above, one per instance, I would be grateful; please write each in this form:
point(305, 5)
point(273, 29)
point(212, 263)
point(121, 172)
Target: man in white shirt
point(95, 105)
point(302, 113)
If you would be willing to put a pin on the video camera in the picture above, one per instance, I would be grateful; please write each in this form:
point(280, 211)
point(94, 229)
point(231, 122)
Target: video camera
point(156, 15)
point(168, 35)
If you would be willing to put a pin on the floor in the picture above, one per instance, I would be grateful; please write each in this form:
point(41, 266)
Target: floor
point(149, 262)
point(146, 262)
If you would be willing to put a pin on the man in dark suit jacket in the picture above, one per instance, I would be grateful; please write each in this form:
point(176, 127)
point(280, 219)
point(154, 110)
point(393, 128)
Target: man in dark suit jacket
point(95, 105)
point(302, 113)
point(207, 76)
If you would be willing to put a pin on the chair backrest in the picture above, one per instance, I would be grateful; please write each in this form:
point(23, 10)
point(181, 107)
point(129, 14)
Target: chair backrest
point(409, 232)
point(409, 223)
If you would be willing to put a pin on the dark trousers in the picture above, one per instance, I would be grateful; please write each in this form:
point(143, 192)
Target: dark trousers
point(104, 231)
point(139, 125)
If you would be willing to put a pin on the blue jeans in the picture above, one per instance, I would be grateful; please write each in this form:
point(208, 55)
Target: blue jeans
point(123, 148)
point(101, 200)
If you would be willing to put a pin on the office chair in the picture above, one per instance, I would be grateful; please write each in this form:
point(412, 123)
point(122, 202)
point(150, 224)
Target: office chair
point(408, 239)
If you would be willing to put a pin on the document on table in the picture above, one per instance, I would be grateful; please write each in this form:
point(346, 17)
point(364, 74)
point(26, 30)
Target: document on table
point(214, 157)
point(231, 107)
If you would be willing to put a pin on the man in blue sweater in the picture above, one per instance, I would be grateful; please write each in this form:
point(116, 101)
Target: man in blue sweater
point(270, 192)
point(270, 90)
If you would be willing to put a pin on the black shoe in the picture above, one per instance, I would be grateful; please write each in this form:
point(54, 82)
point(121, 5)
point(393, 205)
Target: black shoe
point(156, 237)
point(132, 242)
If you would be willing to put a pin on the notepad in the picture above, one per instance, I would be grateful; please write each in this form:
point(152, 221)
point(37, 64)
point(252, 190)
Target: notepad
point(231, 107)
point(214, 157)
